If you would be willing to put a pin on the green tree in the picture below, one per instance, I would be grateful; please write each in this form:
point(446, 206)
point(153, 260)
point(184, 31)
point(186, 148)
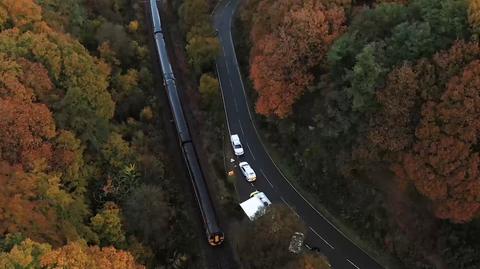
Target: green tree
point(202, 51)
point(147, 214)
point(118, 38)
point(24, 254)
point(364, 79)
point(117, 152)
point(108, 225)
point(194, 12)
point(209, 89)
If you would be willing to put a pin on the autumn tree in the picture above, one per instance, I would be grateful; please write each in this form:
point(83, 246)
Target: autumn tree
point(23, 209)
point(80, 99)
point(281, 62)
point(25, 131)
point(474, 13)
point(427, 125)
point(19, 13)
point(444, 162)
point(392, 129)
point(68, 160)
point(24, 254)
point(79, 255)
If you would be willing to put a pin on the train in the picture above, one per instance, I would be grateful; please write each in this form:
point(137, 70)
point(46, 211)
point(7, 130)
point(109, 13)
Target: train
point(215, 235)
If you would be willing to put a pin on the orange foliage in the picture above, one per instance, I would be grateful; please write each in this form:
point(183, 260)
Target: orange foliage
point(79, 255)
point(281, 61)
point(392, 129)
point(22, 12)
point(35, 77)
point(428, 128)
point(444, 163)
point(25, 130)
point(21, 209)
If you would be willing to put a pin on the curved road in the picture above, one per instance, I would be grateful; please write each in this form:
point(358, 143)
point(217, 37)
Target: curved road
point(341, 252)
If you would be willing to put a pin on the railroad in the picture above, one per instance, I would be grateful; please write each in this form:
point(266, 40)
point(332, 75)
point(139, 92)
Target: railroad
point(215, 235)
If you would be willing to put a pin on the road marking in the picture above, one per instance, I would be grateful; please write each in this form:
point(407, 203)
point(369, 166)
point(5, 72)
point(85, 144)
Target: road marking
point(353, 264)
point(228, 4)
point(236, 105)
point(251, 152)
point(291, 208)
point(223, 98)
point(281, 197)
point(241, 128)
point(265, 176)
point(307, 246)
point(270, 157)
point(325, 241)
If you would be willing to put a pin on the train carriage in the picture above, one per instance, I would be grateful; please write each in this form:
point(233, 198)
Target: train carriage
point(214, 234)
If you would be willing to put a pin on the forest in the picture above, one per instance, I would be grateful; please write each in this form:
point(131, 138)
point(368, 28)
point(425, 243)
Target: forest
point(371, 104)
point(87, 180)
point(373, 107)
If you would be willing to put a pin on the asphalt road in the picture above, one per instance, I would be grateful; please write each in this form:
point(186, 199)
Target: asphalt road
point(341, 252)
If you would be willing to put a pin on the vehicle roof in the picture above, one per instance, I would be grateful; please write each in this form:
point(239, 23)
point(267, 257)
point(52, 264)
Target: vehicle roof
point(235, 138)
point(253, 207)
point(248, 169)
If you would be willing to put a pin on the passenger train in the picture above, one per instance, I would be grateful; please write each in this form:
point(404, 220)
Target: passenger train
point(214, 234)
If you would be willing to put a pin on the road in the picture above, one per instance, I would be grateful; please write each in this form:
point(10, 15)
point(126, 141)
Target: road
point(341, 252)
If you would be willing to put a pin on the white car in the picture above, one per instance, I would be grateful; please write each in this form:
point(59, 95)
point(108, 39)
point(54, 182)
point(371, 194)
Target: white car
point(247, 171)
point(237, 146)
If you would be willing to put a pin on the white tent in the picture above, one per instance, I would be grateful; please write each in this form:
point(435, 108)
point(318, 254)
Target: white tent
point(256, 205)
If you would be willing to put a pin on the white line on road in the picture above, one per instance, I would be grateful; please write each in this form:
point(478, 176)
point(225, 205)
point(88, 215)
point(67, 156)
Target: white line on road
point(265, 176)
point(270, 157)
point(236, 105)
point(223, 98)
point(353, 264)
point(281, 197)
point(241, 128)
point(289, 206)
point(249, 149)
point(325, 241)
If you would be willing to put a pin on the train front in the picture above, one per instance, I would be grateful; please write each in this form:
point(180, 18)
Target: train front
point(215, 239)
